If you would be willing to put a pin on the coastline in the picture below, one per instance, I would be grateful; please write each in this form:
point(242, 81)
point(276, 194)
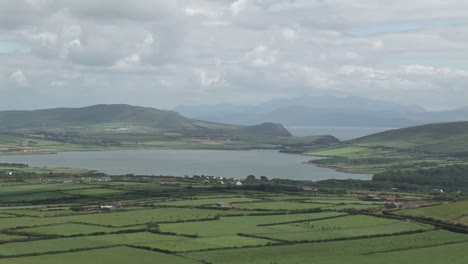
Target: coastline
point(289, 171)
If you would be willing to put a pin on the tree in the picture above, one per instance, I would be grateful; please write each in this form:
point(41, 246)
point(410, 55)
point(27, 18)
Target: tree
point(251, 178)
point(264, 179)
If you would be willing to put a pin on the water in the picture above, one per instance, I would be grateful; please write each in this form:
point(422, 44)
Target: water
point(342, 133)
point(238, 164)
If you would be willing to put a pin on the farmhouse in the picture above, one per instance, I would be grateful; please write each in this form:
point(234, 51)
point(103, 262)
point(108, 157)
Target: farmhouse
point(105, 179)
point(395, 199)
point(373, 197)
point(117, 205)
point(221, 205)
point(107, 207)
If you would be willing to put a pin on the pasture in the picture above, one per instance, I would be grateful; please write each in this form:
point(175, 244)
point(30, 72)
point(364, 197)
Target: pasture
point(63, 223)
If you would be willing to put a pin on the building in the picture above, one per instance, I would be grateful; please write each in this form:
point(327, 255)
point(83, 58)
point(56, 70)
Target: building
point(105, 179)
point(373, 197)
point(68, 180)
point(221, 205)
point(107, 207)
point(395, 199)
point(391, 205)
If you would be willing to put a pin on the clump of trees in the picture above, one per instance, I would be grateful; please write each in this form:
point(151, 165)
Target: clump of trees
point(14, 165)
point(453, 177)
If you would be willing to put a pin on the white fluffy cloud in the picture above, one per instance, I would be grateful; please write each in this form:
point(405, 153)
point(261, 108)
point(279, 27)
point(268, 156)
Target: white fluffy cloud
point(165, 53)
point(18, 78)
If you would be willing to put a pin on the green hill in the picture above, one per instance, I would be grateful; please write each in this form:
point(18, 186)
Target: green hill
point(271, 129)
point(418, 147)
point(444, 138)
point(101, 114)
point(126, 126)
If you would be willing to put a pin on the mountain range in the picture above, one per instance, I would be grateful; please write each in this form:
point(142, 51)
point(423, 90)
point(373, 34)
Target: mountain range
point(102, 116)
point(324, 111)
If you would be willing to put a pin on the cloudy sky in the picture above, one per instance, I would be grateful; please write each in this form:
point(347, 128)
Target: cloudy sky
point(163, 53)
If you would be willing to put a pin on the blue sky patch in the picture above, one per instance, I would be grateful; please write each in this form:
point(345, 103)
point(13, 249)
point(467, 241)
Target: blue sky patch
point(13, 47)
point(405, 26)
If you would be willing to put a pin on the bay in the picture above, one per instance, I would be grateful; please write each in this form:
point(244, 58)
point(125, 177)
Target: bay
point(230, 163)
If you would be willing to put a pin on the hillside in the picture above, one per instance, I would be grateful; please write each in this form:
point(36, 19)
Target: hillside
point(443, 138)
point(271, 129)
point(125, 126)
point(98, 114)
point(418, 147)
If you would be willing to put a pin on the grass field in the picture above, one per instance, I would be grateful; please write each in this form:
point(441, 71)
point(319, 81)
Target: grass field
point(36, 188)
point(450, 212)
point(36, 197)
point(95, 192)
point(49, 245)
point(260, 227)
point(4, 237)
point(208, 202)
point(280, 205)
point(73, 229)
point(245, 224)
point(419, 147)
point(178, 243)
point(115, 255)
point(335, 252)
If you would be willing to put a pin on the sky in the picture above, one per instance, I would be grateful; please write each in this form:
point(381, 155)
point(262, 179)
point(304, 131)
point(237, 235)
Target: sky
point(161, 53)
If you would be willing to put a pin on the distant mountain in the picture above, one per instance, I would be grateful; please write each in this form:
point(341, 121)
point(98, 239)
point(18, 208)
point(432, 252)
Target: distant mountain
point(155, 119)
point(323, 111)
point(460, 114)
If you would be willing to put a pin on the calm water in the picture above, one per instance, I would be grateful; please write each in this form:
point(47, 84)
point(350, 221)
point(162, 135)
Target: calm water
point(342, 133)
point(189, 162)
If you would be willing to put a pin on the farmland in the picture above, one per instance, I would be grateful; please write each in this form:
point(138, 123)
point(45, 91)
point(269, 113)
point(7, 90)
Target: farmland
point(451, 212)
point(127, 221)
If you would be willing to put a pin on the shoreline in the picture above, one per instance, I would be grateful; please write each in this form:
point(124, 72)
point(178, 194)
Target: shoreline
point(352, 175)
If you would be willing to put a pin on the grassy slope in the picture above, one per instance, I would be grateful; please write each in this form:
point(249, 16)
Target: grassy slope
point(414, 147)
point(130, 127)
point(217, 230)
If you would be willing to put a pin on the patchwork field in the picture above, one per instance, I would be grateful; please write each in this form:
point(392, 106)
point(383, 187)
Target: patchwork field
point(339, 252)
point(176, 224)
point(449, 212)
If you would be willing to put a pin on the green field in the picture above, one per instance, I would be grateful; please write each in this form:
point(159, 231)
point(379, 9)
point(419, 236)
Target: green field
point(178, 243)
point(95, 192)
point(208, 202)
point(280, 205)
point(4, 237)
point(336, 252)
point(115, 255)
point(419, 147)
point(244, 224)
point(49, 245)
point(450, 212)
point(170, 225)
point(69, 229)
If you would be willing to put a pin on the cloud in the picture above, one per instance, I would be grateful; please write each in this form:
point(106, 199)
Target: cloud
point(164, 53)
point(18, 78)
point(208, 80)
point(261, 56)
